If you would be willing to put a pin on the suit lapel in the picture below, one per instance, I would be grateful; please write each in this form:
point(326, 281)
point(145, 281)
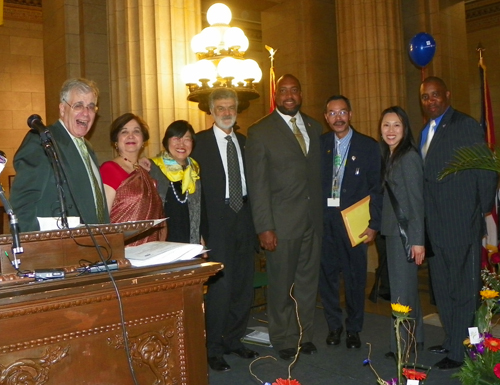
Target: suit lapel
point(441, 130)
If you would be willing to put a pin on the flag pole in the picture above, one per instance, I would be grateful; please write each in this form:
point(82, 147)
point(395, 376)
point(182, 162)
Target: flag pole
point(272, 82)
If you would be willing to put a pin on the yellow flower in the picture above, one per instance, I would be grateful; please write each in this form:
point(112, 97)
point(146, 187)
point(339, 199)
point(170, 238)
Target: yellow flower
point(488, 294)
point(398, 308)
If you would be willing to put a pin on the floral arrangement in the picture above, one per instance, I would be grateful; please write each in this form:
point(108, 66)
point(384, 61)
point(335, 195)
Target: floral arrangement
point(406, 371)
point(482, 363)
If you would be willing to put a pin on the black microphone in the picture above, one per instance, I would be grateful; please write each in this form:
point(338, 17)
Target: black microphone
point(35, 122)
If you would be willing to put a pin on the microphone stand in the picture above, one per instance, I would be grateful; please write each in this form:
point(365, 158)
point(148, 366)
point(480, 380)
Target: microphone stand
point(51, 150)
point(14, 228)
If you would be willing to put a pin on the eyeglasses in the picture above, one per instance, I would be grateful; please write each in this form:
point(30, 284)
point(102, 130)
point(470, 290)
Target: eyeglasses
point(340, 113)
point(79, 107)
point(175, 139)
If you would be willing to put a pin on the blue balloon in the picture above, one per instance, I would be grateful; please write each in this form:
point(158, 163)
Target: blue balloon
point(422, 49)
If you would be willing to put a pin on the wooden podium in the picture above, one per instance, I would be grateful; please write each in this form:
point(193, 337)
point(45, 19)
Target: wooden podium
point(70, 331)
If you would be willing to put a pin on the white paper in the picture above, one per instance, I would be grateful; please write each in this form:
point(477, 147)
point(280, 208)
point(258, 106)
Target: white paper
point(158, 252)
point(474, 335)
point(412, 382)
point(54, 223)
point(259, 335)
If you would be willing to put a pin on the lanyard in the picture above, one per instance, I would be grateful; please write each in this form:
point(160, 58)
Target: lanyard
point(338, 163)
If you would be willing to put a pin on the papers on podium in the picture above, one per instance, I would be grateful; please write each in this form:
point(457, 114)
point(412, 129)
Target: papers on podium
point(356, 218)
point(157, 253)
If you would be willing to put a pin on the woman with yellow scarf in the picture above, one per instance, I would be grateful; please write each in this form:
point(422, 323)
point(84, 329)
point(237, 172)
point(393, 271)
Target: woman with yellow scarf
point(178, 183)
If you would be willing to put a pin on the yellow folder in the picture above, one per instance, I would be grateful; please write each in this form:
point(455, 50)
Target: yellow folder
point(356, 218)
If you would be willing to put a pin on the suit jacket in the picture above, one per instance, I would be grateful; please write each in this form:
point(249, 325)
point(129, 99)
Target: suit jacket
point(284, 185)
point(213, 185)
point(456, 203)
point(362, 174)
point(407, 184)
point(34, 192)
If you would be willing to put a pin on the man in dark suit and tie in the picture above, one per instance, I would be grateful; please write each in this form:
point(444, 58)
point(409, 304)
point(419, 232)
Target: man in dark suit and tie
point(284, 181)
point(351, 170)
point(231, 235)
point(34, 191)
point(454, 216)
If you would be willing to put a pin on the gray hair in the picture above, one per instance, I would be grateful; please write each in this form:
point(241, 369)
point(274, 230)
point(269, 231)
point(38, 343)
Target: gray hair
point(221, 93)
point(78, 84)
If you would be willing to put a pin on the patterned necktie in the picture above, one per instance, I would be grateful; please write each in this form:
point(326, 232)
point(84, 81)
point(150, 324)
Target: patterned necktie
point(99, 200)
point(430, 135)
point(298, 136)
point(234, 175)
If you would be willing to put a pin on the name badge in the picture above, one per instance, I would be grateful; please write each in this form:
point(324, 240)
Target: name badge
point(333, 202)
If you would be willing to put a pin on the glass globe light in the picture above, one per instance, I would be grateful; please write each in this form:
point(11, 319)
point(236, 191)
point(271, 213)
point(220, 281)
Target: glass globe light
point(205, 69)
point(198, 44)
point(227, 67)
point(219, 14)
point(189, 74)
point(251, 70)
point(211, 37)
point(234, 37)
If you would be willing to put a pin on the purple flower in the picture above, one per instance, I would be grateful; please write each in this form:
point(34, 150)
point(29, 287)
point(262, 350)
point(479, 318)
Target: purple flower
point(472, 355)
point(393, 381)
point(480, 347)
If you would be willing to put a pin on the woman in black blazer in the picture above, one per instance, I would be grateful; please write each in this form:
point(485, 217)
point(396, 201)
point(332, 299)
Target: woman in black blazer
point(403, 173)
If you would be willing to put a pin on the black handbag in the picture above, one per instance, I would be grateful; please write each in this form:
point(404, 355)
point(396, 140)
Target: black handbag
point(402, 224)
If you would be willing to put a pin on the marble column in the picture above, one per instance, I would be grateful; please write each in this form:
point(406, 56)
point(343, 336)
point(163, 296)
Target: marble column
point(371, 57)
point(149, 43)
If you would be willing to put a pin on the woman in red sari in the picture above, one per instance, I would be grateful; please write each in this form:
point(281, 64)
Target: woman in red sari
point(130, 192)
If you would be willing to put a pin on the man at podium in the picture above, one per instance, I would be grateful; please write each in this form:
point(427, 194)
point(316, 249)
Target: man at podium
point(35, 192)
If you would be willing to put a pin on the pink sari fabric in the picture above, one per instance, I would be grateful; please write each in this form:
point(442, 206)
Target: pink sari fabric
point(137, 199)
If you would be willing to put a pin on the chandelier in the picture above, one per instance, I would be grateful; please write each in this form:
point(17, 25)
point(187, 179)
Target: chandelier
point(220, 50)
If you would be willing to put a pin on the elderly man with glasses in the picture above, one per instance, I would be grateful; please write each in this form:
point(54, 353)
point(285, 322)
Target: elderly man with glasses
point(37, 191)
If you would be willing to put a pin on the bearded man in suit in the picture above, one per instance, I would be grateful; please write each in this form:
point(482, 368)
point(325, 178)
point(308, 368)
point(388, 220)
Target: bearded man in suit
point(454, 216)
point(34, 191)
point(231, 236)
point(283, 173)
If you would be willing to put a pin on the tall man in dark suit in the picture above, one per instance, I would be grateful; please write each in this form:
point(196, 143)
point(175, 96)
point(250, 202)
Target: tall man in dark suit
point(351, 170)
point(454, 215)
point(284, 181)
point(231, 235)
point(34, 192)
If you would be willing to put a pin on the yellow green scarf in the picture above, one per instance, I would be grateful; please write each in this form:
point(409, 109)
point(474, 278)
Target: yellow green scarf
point(175, 172)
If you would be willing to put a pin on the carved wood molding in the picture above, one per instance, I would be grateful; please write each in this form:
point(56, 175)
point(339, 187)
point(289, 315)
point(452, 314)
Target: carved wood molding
point(177, 316)
point(99, 298)
point(156, 350)
point(34, 371)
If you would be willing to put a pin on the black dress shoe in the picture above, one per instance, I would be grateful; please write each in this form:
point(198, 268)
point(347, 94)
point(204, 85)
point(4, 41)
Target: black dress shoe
point(287, 354)
point(333, 338)
point(308, 348)
point(447, 364)
point(218, 363)
point(352, 340)
point(244, 352)
point(438, 349)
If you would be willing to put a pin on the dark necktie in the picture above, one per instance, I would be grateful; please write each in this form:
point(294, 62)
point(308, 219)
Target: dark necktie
point(99, 200)
point(234, 176)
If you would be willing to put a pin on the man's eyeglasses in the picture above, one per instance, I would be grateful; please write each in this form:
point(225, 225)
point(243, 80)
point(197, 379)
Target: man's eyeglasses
point(79, 107)
point(340, 113)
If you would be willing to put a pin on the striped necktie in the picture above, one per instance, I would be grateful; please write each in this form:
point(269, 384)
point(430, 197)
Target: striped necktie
point(99, 200)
